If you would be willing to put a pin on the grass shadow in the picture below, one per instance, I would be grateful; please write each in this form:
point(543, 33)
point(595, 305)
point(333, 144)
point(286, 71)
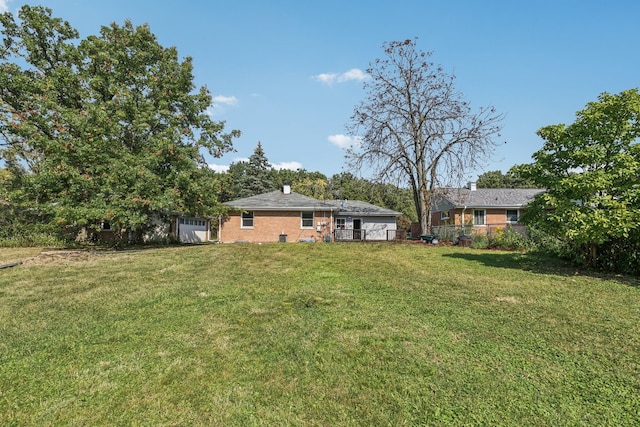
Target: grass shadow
point(539, 263)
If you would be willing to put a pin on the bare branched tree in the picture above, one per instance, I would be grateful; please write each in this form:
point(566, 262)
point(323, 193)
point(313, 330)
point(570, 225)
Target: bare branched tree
point(415, 127)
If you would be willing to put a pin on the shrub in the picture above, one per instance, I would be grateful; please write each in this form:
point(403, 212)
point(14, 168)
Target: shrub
point(544, 242)
point(616, 255)
point(480, 241)
point(509, 239)
point(32, 240)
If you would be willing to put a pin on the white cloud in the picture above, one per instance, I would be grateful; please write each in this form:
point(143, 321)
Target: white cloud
point(327, 79)
point(287, 165)
point(277, 166)
point(4, 6)
point(344, 141)
point(225, 168)
point(225, 100)
point(219, 168)
point(353, 74)
point(220, 102)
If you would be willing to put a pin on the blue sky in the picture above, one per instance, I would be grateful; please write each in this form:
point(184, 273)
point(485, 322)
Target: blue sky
point(289, 73)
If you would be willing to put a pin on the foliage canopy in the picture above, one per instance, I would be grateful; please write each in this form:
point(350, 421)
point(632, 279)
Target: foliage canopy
point(107, 128)
point(591, 170)
point(496, 179)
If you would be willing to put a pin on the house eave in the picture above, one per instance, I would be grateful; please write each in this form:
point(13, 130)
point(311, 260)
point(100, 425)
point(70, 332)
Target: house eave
point(367, 214)
point(489, 206)
point(281, 208)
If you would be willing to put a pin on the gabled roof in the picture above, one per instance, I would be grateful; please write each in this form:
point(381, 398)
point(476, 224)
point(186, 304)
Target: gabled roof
point(487, 197)
point(357, 208)
point(275, 200)
point(280, 201)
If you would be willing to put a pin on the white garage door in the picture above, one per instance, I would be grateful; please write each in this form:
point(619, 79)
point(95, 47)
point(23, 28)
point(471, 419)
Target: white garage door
point(193, 230)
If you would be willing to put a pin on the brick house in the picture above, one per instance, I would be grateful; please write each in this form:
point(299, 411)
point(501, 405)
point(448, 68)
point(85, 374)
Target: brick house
point(286, 216)
point(475, 210)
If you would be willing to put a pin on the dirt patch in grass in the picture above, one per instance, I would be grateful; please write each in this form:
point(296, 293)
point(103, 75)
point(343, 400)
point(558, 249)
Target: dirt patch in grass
point(512, 300)
point(57, 257)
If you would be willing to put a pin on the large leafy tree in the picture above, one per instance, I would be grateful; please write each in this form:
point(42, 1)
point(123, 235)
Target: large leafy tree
point(591, 170)
point(7, 215)
point(107, 128)
point(345, 185)
point(497, 179)
point(312, 184)
point(416, 128)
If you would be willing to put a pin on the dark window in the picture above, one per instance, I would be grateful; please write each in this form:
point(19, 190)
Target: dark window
point(307, 219)
point(247, 219)
point(512, 215)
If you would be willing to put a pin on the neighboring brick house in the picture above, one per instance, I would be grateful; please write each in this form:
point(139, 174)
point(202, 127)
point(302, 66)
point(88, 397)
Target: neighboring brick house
point(286, 216)
point(480, 210)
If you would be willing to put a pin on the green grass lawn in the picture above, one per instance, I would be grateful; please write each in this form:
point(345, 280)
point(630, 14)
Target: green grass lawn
point(11, 255)
point(316, 334)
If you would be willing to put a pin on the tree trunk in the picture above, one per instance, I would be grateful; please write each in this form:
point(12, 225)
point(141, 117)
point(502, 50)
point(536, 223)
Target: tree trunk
point(592, 256)
point(425, 212)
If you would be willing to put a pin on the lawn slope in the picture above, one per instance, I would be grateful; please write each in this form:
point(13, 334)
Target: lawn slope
point(316, 334)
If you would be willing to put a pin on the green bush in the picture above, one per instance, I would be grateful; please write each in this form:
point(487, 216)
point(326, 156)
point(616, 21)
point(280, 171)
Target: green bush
point(541, 241)
point(480, 241)
point(31, 240)
point(616, 255)
point(509, 240)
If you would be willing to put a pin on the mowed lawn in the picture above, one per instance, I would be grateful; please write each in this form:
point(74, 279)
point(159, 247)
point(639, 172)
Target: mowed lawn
point(315, 334)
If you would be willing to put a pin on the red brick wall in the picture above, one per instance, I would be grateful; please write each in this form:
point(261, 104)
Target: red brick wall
point(268, 225)
point(492, 217)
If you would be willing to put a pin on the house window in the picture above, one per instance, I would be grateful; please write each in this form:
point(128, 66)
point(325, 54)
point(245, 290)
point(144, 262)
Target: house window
point(106, 225)
point(247, 219)
point(512, 215)
point(341, 223)
point(479, 217)
point(307, 219)
point(444, 215)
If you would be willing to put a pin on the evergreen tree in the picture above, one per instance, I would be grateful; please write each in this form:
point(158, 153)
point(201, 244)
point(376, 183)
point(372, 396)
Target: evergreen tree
point(253, 177)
